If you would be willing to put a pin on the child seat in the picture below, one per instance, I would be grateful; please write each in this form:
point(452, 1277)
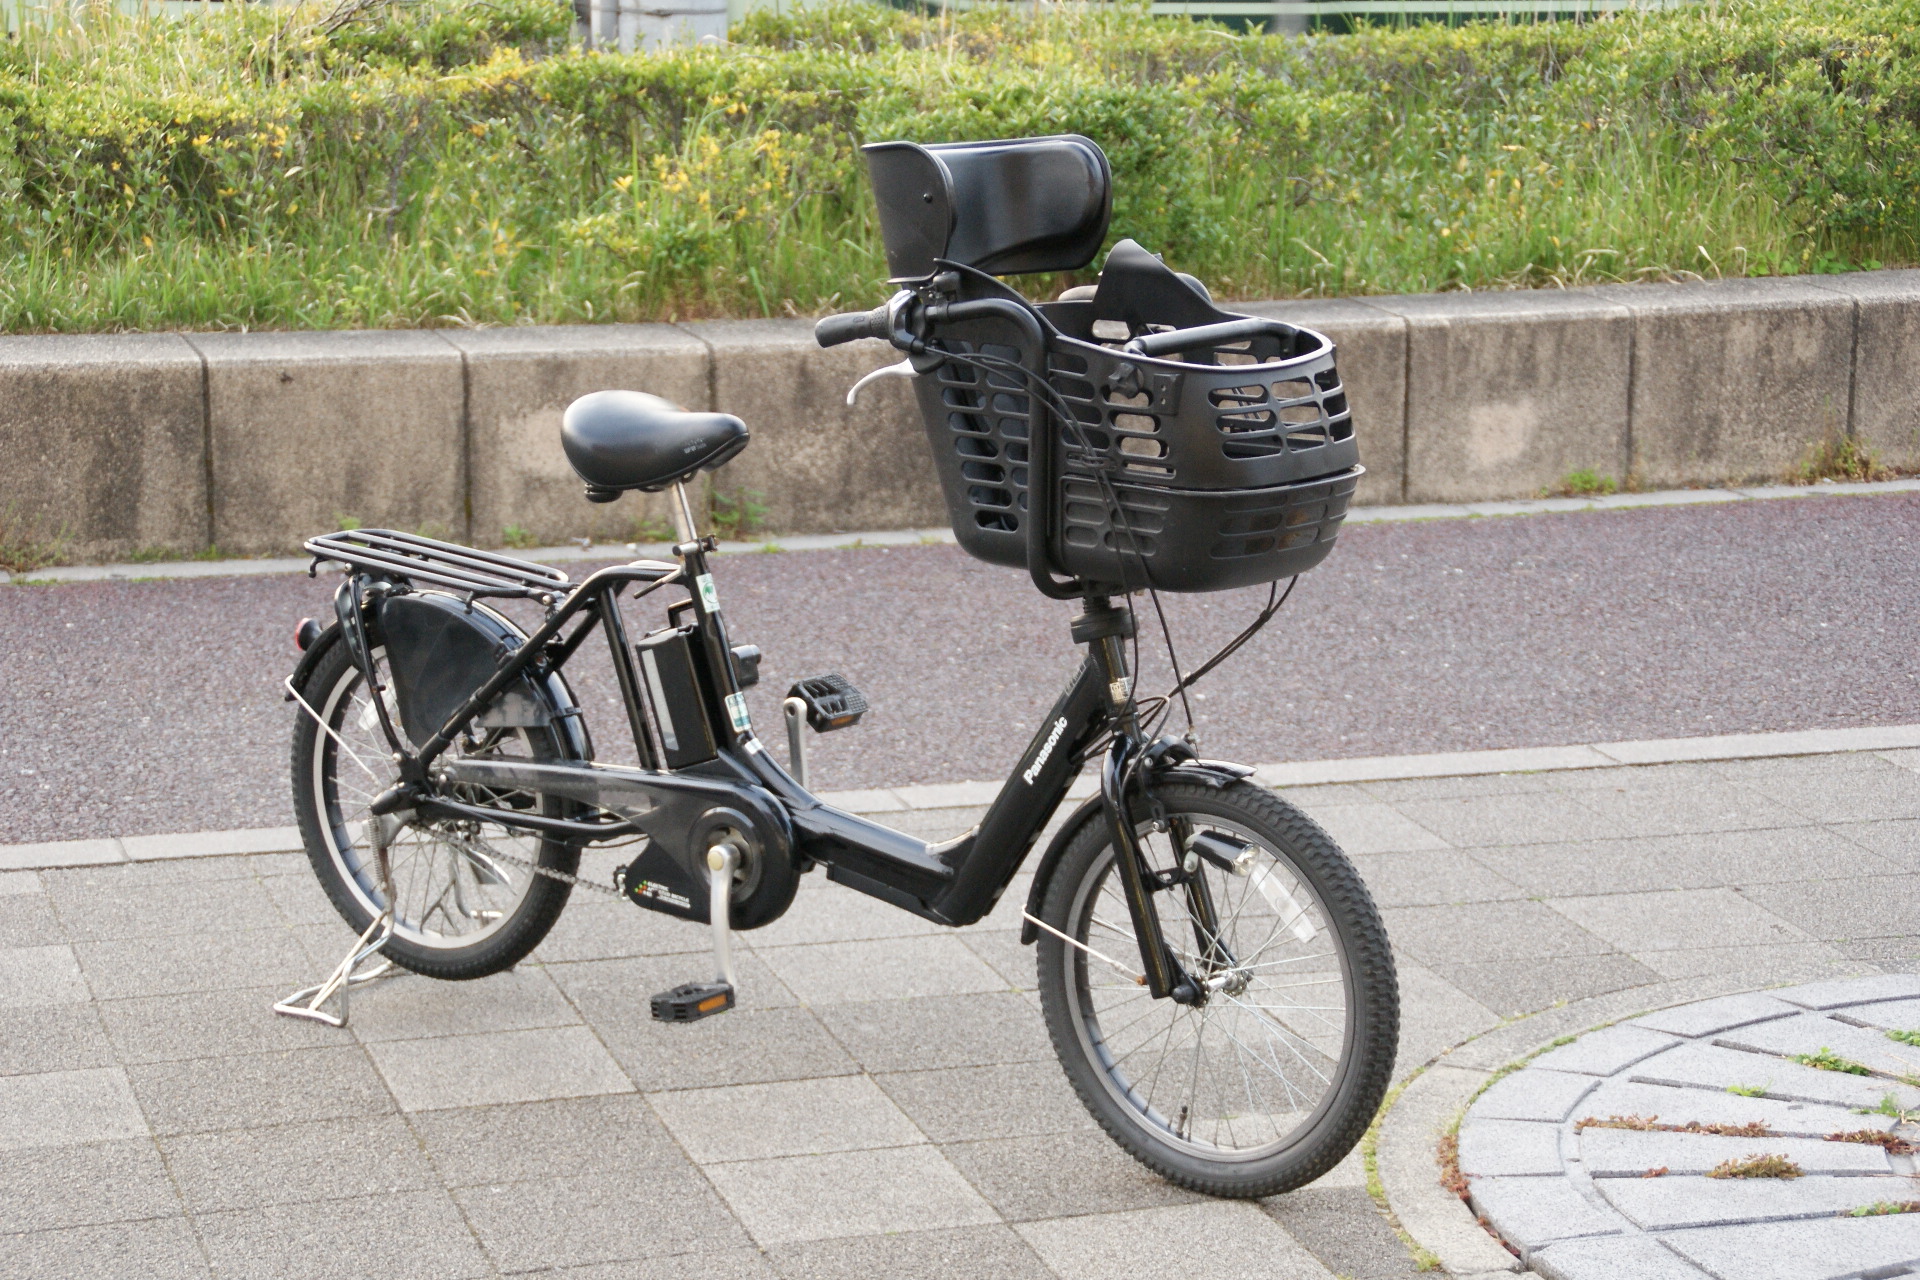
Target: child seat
point(1218, 459)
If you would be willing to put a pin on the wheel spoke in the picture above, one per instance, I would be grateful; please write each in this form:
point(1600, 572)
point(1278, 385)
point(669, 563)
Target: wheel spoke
point(453, 883)
point(1229, 1073)
point(1271, 1025)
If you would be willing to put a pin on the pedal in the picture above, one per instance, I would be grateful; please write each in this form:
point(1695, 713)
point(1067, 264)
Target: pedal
point(692, 1001)
point(832, 702)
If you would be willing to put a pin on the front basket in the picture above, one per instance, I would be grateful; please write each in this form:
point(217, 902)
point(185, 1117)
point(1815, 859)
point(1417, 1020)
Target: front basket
point(1228, 466)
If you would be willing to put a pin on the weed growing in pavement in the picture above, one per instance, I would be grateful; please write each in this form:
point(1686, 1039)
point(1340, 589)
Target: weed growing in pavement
point(1882, 1207)
point(1905, 1037)
point(652, 529)
point(736, 515)
point(21, 552)
point(1894, 1144)
point(1448, 1157)
point(1839, 458)
point(1756, 1166)
point(1582, 484)
point(1424, 1260)
point(1828, 1060)
point(517, 537)
point(1748, 1090)
point(1647, 1124)
point(1889, 1106)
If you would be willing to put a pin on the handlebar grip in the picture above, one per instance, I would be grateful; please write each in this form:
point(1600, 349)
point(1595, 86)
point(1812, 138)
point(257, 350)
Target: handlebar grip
point(1205, 335)
point(851, 327)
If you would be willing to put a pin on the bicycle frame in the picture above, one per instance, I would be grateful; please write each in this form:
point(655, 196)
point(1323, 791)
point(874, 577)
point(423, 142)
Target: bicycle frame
point(955, 882)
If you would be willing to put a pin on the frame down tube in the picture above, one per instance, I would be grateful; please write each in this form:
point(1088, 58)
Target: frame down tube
point(1031, 795)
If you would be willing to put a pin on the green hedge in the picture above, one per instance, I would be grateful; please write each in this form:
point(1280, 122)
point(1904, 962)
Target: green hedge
point(451, 162)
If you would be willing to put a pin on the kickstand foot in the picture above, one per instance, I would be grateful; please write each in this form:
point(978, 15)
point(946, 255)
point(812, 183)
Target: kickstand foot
point(311, 1002)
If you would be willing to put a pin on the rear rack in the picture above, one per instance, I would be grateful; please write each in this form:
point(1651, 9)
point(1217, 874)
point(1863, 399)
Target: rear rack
point(407, 555)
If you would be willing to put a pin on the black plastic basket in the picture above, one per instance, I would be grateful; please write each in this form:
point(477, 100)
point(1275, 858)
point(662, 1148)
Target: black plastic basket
point(1217, 467)
point(1220, 464)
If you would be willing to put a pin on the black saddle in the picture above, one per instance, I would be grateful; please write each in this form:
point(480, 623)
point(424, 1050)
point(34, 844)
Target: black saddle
point(620, 440)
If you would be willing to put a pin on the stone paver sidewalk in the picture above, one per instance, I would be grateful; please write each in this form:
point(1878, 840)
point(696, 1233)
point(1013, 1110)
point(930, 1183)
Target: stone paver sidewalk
point(1765, 1136)
point(883, 1103)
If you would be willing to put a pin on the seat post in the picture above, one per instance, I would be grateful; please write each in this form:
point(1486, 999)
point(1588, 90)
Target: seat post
point(683, 514)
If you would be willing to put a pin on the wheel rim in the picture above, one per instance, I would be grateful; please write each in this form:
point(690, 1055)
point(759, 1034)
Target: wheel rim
point(1249, 1072)
point(455, 884)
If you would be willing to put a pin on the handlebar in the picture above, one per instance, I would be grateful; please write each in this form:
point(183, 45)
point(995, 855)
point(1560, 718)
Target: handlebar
point(1205, 335)
point(852, 326)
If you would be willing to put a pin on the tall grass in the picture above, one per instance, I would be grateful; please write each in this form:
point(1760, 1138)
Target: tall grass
point(456, 162)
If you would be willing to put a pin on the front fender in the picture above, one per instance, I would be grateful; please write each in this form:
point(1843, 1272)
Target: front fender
point(1213, 773)
point(1089, 810)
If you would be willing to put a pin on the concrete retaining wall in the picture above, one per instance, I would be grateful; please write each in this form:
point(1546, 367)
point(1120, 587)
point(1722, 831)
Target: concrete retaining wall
point(118, 445)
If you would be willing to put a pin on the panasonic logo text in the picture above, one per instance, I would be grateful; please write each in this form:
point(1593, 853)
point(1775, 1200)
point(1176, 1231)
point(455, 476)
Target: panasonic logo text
point(1046, 749)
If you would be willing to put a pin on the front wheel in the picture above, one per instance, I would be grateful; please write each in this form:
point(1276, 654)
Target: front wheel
point(1268, 1081)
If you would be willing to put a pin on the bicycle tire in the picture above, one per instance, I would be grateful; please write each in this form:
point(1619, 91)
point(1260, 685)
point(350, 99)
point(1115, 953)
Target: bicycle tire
point(342, 863)
point(1094, 1047)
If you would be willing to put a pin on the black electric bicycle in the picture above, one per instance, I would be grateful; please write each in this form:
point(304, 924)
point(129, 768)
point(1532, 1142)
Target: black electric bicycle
point(1213, 973)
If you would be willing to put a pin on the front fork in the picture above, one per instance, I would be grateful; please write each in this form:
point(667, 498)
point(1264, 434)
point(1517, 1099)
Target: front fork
point(1127, 771)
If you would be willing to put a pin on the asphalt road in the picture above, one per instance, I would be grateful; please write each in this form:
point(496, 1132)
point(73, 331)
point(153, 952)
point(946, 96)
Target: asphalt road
point(144, 707)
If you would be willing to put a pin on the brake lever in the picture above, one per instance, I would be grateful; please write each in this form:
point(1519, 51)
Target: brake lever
point(924, 360)
point(904, 369)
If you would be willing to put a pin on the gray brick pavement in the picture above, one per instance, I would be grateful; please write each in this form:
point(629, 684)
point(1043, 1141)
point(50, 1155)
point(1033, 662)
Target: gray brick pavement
point(1635, 1171)
point(885, 1101)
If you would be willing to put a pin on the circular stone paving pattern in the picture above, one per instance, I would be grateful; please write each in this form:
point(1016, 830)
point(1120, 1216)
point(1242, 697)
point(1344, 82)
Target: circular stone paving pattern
point(1753, 1137)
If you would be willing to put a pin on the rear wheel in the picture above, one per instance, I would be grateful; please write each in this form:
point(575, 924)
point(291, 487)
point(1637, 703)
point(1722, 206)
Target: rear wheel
point(467, 899)
point(1270, 1080)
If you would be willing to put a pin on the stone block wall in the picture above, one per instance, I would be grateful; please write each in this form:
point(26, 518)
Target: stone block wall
point(117, 445)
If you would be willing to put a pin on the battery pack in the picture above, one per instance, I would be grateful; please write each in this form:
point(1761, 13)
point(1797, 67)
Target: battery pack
point(673, 693)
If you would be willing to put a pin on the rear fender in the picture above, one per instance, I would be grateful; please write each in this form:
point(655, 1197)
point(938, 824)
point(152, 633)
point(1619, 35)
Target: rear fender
point(553, 705)
point(303, 669)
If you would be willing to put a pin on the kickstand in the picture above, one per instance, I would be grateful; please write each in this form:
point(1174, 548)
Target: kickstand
point(310, 1002)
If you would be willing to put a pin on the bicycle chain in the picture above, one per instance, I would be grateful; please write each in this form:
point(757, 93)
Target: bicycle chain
point(562, 876)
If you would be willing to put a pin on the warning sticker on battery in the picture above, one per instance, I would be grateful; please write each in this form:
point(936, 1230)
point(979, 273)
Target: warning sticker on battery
point(709, 598)
point(737, 707)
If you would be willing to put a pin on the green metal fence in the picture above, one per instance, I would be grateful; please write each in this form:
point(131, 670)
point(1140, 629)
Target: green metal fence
point(1286, 14)
point(1300, 14)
